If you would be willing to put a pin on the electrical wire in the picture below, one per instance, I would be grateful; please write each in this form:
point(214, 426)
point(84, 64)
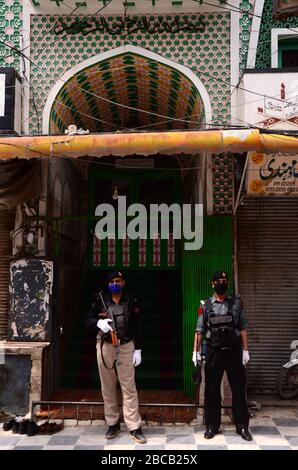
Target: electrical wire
point(235, 9)
point(138, 109)
point(54, 27)
point(88, 115)
point(208, 75)
point(147, 112)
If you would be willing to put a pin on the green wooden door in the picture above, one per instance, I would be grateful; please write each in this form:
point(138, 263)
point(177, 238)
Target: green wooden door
point(153, 271)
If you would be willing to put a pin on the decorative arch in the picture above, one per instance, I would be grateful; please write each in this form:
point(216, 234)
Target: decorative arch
point(134, 77)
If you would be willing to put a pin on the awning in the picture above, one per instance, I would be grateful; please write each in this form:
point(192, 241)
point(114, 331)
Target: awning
point(19, 182)
point(166, 143)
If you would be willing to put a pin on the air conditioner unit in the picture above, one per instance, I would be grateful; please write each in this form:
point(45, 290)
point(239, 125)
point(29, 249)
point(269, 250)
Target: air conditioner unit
point(10, 101)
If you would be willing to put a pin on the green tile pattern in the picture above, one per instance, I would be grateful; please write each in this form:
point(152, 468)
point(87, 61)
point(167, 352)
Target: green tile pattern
point(11, 22)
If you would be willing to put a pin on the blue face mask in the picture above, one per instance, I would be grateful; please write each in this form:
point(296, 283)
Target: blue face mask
point(115, 288)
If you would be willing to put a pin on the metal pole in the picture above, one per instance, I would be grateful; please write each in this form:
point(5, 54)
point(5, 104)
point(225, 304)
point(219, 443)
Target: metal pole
point(241, 184)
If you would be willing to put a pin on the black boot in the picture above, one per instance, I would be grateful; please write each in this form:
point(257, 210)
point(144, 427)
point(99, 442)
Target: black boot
point(7, 425)
point(138, 436)
point(32, 428)
point(113, 431)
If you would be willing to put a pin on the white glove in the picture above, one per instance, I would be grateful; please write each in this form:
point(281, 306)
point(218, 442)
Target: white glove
point(196, 358)
point(137, 357)
point(104, 326)
point(245, 357)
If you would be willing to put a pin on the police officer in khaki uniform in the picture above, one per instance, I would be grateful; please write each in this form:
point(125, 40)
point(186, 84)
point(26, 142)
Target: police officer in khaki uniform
point(223, 321)
point(118, 356)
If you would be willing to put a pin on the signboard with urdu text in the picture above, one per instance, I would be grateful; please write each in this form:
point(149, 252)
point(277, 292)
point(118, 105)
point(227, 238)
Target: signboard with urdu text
point(274, 174)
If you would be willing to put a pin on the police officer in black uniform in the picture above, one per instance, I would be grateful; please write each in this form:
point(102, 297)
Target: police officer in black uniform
point(223, 321)
point(117, 356)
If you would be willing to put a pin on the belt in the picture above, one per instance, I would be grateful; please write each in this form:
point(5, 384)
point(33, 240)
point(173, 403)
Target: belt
point(223, 348)
point(122, 341)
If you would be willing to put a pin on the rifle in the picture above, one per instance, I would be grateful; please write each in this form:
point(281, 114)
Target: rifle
point(197, 379)
point(113, 333)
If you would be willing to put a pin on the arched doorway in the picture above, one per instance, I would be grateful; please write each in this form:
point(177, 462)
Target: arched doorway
point(120, 90)
point(132, 77)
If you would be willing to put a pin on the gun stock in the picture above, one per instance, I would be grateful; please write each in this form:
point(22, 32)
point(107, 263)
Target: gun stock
point(113, 333)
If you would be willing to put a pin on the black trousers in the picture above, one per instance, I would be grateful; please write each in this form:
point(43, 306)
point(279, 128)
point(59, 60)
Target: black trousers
point(218, 361)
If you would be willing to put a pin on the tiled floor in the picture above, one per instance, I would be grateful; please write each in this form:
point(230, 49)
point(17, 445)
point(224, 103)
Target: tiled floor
point(271, 429)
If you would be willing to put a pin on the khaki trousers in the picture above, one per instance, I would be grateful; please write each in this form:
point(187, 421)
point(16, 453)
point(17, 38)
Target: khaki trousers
point(126, 377)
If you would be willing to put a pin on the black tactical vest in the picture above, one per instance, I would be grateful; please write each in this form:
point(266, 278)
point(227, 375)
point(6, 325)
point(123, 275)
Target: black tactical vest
point(222, 327)
point(119, 314)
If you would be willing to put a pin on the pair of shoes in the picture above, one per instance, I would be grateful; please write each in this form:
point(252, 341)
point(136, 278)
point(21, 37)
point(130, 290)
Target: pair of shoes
point(32, 428)
point(23, 426)
point(50, 428)
point(7, 425)
point(15, 427)
point(138, 436)
point(210, 433)
point(113, 430)
point(245, 434)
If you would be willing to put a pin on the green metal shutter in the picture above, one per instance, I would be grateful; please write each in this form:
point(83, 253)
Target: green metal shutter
point(198, 266)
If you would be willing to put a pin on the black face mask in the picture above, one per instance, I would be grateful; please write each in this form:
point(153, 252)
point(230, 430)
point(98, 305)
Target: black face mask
point(221, 288)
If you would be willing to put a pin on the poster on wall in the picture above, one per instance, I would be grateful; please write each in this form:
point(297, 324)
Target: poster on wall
point(31, 284)
point(273, 174)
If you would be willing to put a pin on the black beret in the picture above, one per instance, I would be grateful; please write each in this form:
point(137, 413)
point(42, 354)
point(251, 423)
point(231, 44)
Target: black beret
point(220, 275)
point(114, 274)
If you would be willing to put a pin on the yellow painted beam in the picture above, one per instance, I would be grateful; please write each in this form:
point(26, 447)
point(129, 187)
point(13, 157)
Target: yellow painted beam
point(151, 143)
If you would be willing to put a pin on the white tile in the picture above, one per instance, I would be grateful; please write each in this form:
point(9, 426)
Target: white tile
point(270, 440)
point(180, 430)
point(158, 440)
point(70, 431)
point(58, 448)
point(277, 413)
point(180, 447)
point(261, 422)
point(243, 447)
point(121, 447)
point(34, 440)
point(91, 440)
point(6, 447)
point(218, 439)
point(227, 427)
point(288, 430)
